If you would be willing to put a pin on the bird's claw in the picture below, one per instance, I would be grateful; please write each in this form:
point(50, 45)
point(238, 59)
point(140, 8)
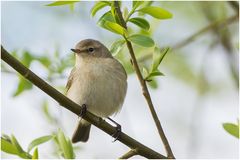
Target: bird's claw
point(83, 110)
point(118, 127)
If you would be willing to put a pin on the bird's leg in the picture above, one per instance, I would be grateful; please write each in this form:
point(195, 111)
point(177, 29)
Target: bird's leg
point(83, 110)
point(118, 129)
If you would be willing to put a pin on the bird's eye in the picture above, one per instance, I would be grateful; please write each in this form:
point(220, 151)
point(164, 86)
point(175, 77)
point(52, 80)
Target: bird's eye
point(90, 49)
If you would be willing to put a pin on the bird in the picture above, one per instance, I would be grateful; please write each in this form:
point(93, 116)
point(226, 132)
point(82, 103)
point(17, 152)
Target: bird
point(97, 82)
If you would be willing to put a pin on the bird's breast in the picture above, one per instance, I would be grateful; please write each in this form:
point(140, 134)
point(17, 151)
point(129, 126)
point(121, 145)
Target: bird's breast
point(101, 86)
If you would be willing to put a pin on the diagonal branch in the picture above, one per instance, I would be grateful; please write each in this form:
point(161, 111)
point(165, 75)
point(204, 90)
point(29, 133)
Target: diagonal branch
point(143, 85)
point(75, 108)
point(129, 154)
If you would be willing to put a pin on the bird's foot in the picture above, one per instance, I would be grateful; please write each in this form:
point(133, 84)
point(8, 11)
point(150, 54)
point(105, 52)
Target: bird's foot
point(118, 127)
point(83, 110)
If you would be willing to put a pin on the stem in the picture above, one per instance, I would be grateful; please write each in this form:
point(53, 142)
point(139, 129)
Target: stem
point(144, 86)
point(129, 154)
point(75, 108)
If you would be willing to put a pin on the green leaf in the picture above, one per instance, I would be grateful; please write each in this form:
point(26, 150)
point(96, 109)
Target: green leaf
point(16, 144)
point(136, 4)
point(70, 147)
point(8, 147)
point(158, 57)
point(232, 129)
point(140, 22)
point(35, 154)
point(156, 12)
point(106, 17)
point(39, 141)
point(141, 40)
point(22, 86)
point(113, 27)
point(154, 74)
point(60, 3)
point(99, 5)
point(21, 152)
point(64, 145)
point(27, 58)
point(44, 61)
point(153, 84)
point(117, 46)
point(145, 72)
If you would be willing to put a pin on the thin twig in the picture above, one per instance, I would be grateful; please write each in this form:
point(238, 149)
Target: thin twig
point(218, 23)
point(144, 86)
point(75, 108)
point(129, 154)
point(190, 39)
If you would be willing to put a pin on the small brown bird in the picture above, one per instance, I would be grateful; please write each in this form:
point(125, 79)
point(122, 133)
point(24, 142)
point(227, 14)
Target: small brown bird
point(98, 81)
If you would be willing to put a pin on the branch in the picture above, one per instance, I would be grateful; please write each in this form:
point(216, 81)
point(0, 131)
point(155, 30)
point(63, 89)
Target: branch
point(218, 23)
point(143, 85)
point(190, 39)
point(129, 154)
point(75, 108)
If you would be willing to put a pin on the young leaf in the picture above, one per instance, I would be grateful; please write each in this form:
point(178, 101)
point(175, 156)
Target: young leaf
point(35, 154)
point(156, 12)
point(232, 129)
point(113, 27)
point(99, 5)
point(140, 22)
point(8, 147)
point(21, 153)
point(141, 40)
point(158, 57)
point(64, 145)
point(60, 3)
point(16, 144)
point(70, 147)
point(106, 17)
point(22, 86)
point(136, 4)
point(39, 141)
point(153, 74)
point(116, 47)
point(145, 72)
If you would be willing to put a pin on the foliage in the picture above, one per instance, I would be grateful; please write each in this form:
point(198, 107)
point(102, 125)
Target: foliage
point(232, 129)
point(10, 145)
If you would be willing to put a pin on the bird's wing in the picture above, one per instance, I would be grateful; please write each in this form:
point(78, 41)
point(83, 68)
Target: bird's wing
point(70, 80)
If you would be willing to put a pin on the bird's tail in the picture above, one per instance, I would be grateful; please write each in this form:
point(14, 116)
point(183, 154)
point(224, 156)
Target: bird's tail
point(82, 132)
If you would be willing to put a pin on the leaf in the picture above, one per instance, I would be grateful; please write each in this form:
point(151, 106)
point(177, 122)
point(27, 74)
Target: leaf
point(232, 129)
point(44, 61)
point(8, 147)
point(16, 144)
point(156, 12)
point(64, 145)
point(113, 27)
point(99, 5)
point(21, 153)
point(141, 40)
point(158, 57)
point(145, 72)
point(142, 23)
point(22, 86)
point(70, 147)
point(39, 141)
point(106, 17)
point(153, 84)
point(61, 3)
point(136, 4)
point(117, 46)
point(35, 154)
point(27, 58)
point(153, 74)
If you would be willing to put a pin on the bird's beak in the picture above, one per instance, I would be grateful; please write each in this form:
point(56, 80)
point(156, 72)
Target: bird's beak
point(76, 50)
